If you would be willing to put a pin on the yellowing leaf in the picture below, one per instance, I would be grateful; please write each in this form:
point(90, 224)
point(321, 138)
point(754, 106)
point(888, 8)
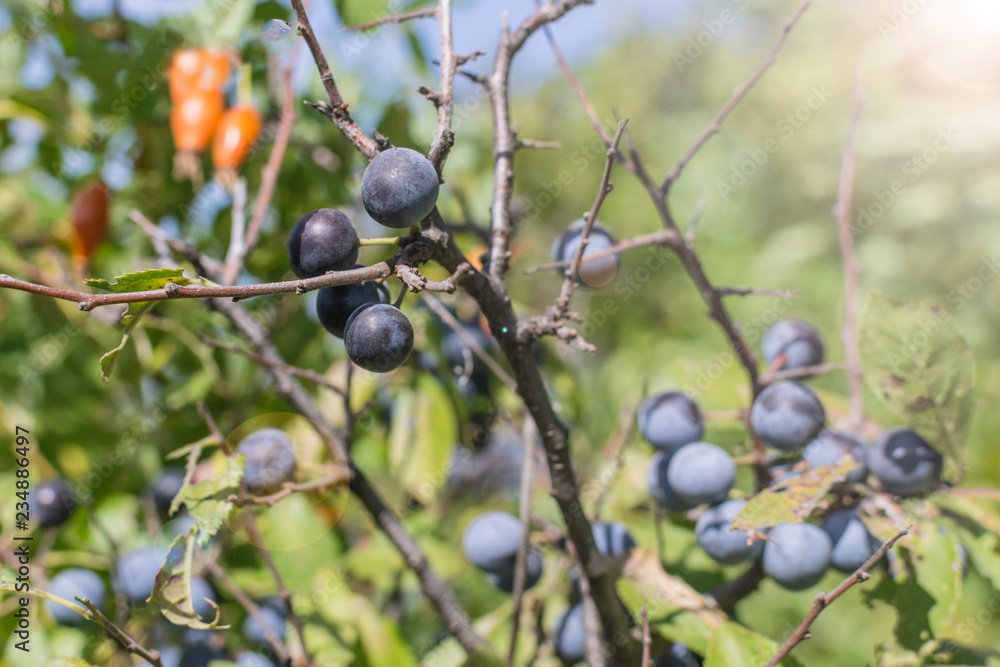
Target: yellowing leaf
point(793, 500)
point(172, 587)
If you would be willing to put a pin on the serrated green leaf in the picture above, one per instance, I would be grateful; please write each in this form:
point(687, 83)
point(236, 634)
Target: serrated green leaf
point(206, 501)
point(172, 593)
point(919, 363)
point(424, 432)
point(733, 645)
point(792, 501)
point(139, 281)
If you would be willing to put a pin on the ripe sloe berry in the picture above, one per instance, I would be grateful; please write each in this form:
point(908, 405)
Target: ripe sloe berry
point(274, 617)
point(701, 473)
point(490, 541)
point(165, 487)
point(905, 463)
point(787, 416)
point(399, 188)
point(505, 581)
point(136, 571)
point(270, 460)
point(832, 446)
point(322, 240)
point(670, 420)
point(853, 545)
point(613, 539)
point(51, 503)
point(69, 585)
point(659, 486)
point(335, 305)
point(569, 636)
point(596, 272)
point(723, 545)
point(378, 337)
point(797, 555)
point(797, 340)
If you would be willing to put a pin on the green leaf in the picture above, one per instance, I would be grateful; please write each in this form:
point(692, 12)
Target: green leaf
point(794, 500)
point(424, 432)
point(140, 281)
point(732, 645)
point(206, 501)
point(919, 363)
point(172, 587)
point(937, 565)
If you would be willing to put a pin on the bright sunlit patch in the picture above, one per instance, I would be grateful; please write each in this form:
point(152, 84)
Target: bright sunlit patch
point(957, 40)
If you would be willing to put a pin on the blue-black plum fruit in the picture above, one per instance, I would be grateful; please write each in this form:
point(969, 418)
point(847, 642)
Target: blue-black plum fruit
point(670, 420)
point(797, 555)
point(270, 460)
point(905, 463)
point(787, 416)
point(378, 337)
point(321, 241)
point(399, 188)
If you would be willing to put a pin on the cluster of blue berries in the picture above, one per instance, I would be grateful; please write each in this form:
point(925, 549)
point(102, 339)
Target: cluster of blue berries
point(399, 189)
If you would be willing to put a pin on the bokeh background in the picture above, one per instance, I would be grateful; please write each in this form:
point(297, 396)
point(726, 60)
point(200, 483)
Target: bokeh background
point(82, 95)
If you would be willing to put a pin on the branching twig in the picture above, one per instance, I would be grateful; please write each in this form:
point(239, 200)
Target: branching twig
point(88, 302)
point(443, 135)
point(422, 13)
point(842, 214)
point(573, 273)
point(662, 237)
point(736, 98)
point(120, 636)
point(338, 107)
point(415, 282)
point(303, 373)
point(341, 476)
point(823, 601)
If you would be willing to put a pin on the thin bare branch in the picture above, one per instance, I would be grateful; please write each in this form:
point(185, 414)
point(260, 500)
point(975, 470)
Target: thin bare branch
point(422, 13)
point(223, 580)
point(823, 601)
point(469, 340)
point(521, 561)
point(340, 477)
point(572, 278)
point(802, 372)
point(119, 635)
point(762, 291)
point(303, 373)
point(662, 237)
point(444, 138)
point(842, 215)
point(283, 592)
point(338, 107)
point(736, 98)
point(269, 175)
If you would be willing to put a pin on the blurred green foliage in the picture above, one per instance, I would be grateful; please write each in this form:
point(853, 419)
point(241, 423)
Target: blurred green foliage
point(931, 238)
